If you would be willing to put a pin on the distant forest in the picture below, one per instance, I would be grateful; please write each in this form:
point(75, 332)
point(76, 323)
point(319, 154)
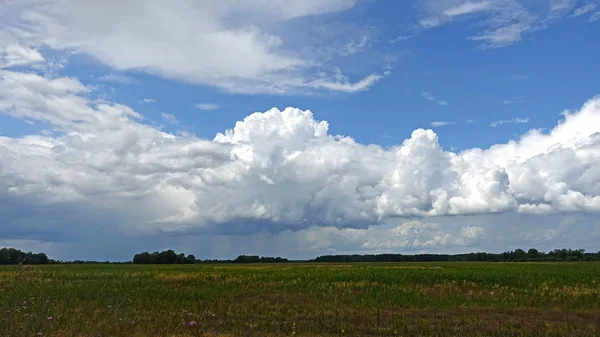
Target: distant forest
point(518, 255)
point(170, 257)
point(12, 256)
point(15, 256)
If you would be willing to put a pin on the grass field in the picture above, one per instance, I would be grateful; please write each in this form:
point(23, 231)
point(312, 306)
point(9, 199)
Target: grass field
point(425, 299)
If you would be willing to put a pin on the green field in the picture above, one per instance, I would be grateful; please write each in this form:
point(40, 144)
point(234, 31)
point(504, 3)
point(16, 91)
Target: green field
point(408, 299)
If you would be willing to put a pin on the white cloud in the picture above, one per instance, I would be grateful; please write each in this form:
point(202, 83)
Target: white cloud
point(146, 100)
point(503, 36)
point(505, 22)
point(430, 97)
point(445, 123)
point(584, 10)
point(561, 7)
point(401, 38)
point(521, 77)
point(344, 85)
point(206, 106)
point(514, 99)
point(419, 235)
point(595, 17)
point(102, 157)
point(234, 45)
point(467, 8)
point(355, 46)
point(169, 118)
point(441, 123)
point(117, 78)
point(430, 22)
point(516, 120)
point(18, 55)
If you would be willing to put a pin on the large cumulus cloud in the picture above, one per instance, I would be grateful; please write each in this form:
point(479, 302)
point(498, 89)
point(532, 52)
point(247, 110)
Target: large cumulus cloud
point(275, 170)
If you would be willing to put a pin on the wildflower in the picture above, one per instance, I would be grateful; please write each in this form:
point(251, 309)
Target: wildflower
point(24, 303)
point(49, 318)
point(192, 323)
point(39, 333)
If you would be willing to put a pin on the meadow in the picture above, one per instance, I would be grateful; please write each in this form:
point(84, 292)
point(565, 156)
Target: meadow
point(302, 299)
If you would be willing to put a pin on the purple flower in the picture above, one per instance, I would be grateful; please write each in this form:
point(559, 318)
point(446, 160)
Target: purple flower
point(24, 303)
point(192, 323)
point(49, 318)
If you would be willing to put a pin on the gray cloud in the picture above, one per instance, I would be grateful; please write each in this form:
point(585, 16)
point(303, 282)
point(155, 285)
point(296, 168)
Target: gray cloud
point(455, 234)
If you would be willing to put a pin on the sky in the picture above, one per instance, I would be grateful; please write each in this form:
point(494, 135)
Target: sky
point(298, 128)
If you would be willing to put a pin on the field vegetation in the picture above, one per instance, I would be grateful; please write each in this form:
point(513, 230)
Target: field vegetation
point(302, 299)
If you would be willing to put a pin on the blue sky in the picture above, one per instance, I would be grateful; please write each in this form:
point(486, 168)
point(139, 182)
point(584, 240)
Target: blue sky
point(551, 69)
point(100, 113)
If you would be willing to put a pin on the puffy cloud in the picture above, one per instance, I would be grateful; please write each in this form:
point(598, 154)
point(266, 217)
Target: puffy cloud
point(218, 43)
point(276, 170)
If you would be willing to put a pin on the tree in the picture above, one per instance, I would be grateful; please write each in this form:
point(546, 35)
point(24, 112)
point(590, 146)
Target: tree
point(533, 253)
point(143, 258)
point(15, 256)
point(191, 259)
point(167, 257)
point(164, 257)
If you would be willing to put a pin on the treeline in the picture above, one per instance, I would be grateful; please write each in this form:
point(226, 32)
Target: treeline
point(15, 256)
point(90, 262)
point(518, 255)
point(164, 257)
point(170, 257)
point(256, 259)
point(12, 256)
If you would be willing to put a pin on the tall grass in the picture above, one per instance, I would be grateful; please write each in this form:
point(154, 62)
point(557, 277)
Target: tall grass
point(425, 299)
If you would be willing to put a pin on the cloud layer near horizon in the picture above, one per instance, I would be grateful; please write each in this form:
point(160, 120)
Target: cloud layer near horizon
point(275, 170)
